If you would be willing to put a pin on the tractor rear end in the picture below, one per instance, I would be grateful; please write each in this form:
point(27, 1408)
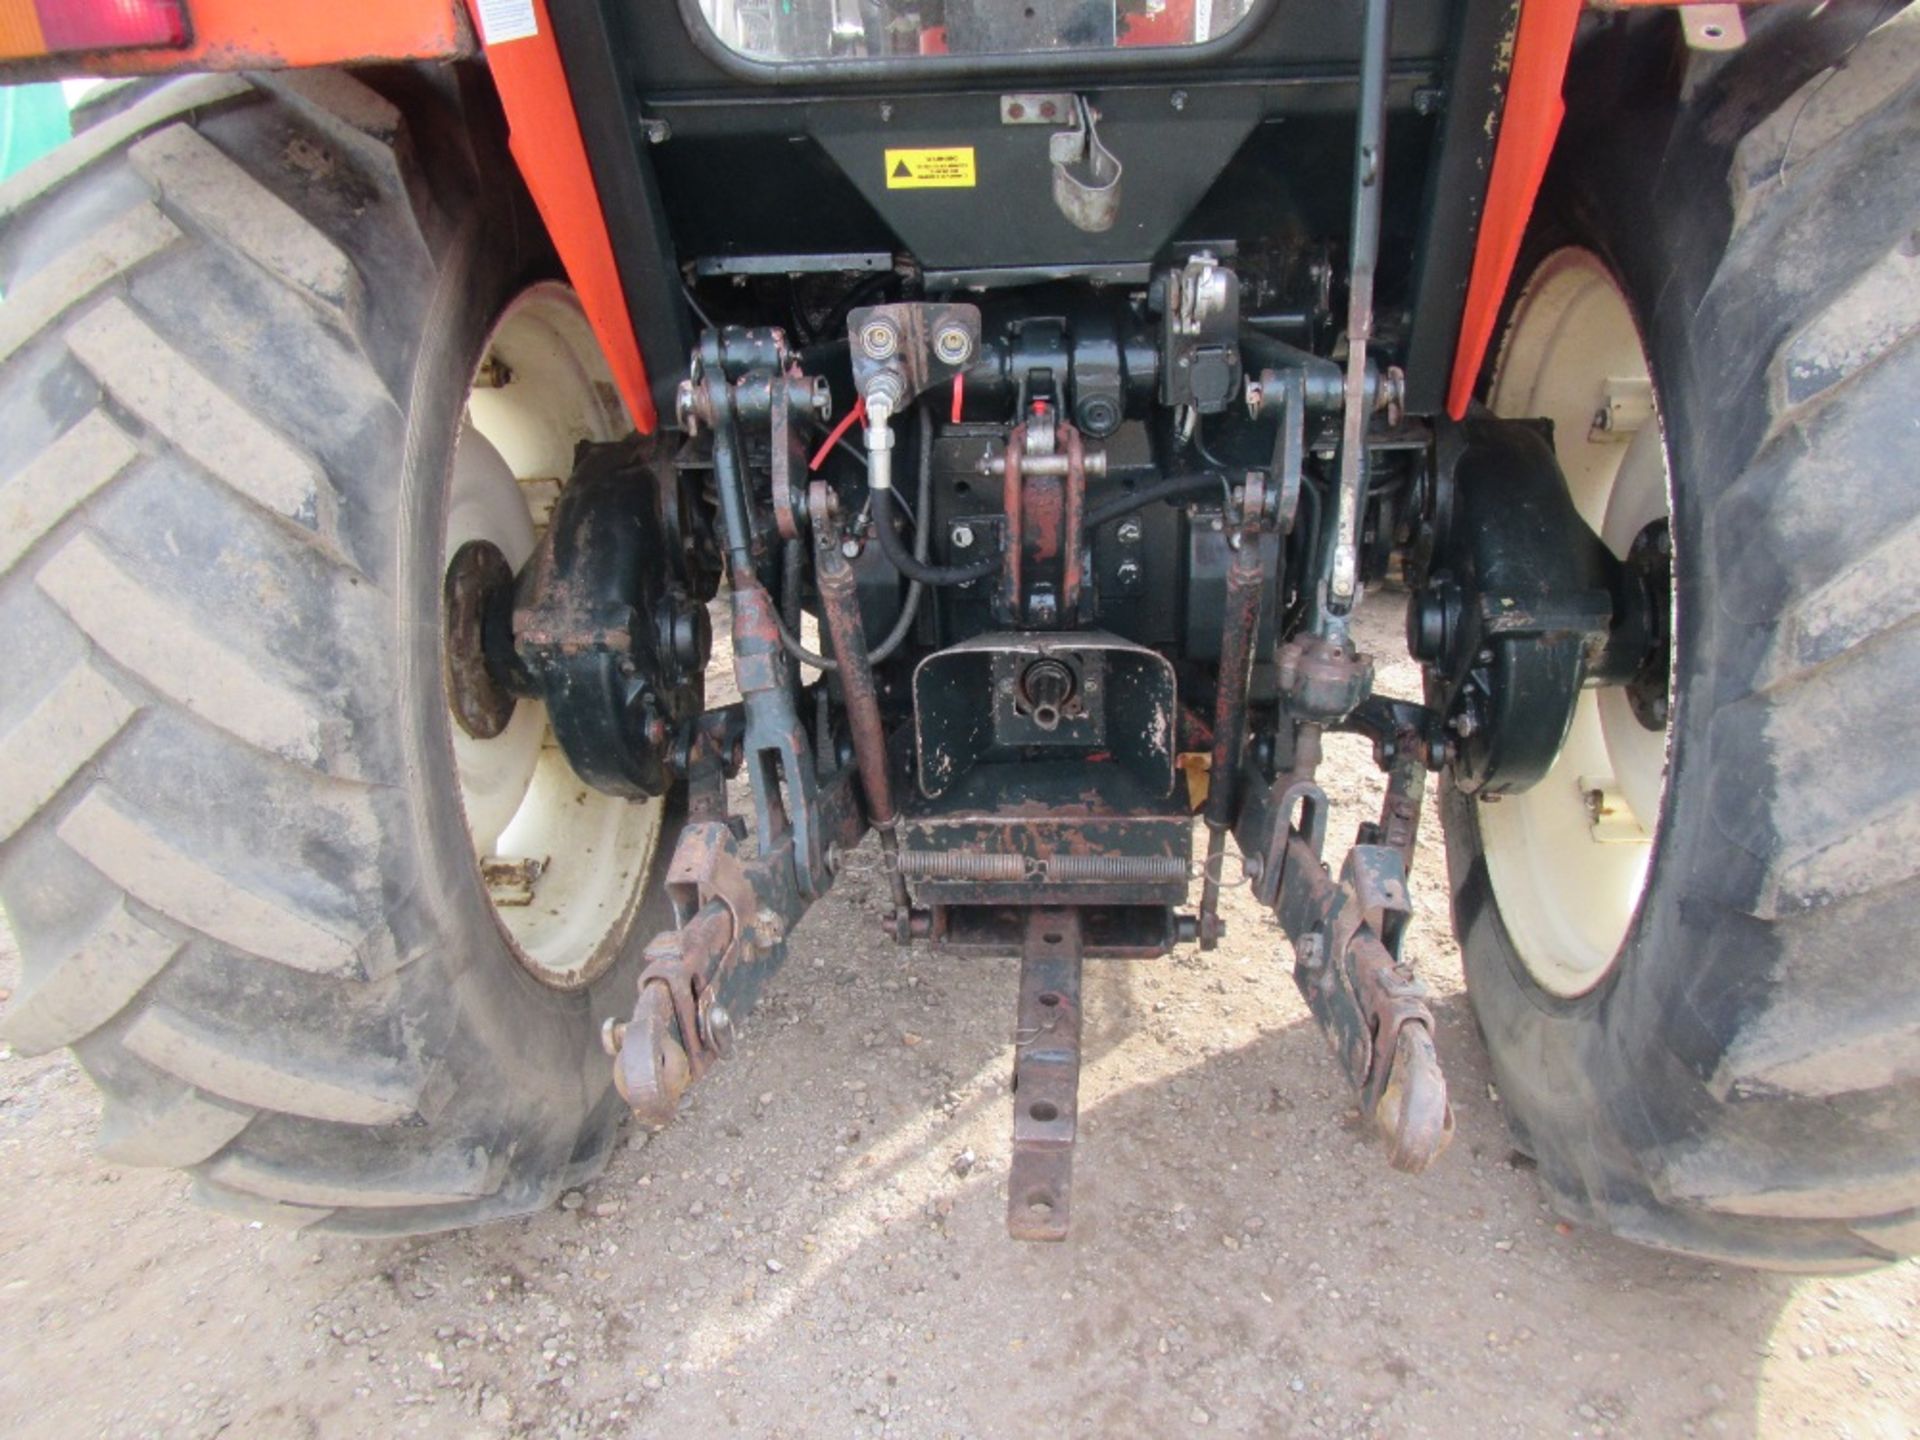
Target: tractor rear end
point(1034, 394)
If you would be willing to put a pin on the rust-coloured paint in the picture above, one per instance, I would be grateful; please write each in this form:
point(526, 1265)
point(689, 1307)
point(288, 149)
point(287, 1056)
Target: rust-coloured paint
point(1046, 1076)
point(546, 143)
point(1528, 124)
point(840, 609)
point(282, 34)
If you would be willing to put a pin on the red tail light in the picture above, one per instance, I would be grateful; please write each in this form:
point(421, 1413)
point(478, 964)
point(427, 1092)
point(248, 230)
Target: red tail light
point(30, 28)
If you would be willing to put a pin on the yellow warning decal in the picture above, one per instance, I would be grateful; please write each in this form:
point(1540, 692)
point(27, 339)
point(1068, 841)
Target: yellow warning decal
point(946, 169)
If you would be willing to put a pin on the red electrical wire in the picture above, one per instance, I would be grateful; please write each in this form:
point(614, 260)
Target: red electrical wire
point(959, 394)
point(847, 422)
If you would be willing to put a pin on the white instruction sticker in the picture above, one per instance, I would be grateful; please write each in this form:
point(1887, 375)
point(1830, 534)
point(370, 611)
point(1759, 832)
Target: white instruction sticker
point(502, 20)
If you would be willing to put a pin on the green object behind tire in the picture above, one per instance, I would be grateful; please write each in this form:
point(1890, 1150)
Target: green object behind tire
point(33, 119)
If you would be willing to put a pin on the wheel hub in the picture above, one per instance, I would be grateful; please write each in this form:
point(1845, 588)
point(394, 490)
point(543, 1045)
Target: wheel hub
point(1525, 608)
point(478, 578)
point(600, 625)
point(562, 865)
point(1568, 869)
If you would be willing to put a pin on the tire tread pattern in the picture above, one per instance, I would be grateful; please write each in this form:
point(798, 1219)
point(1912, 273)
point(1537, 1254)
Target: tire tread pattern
point(246, 1017)
point(1750, 1092)
point(1816, 1078)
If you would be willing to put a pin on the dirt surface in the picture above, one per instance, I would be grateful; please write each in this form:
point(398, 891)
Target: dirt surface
point(817, 1248)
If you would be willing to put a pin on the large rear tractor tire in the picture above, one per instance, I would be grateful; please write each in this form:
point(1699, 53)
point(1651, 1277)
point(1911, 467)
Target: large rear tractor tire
point(271, 349)
point(1691, 955)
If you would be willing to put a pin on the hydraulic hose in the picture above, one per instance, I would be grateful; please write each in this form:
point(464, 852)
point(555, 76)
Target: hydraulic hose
point(1169, 487)
point(909, 609)
point(791, 643)
point(915, 570)
point(787, 616)
point(880, 488)
point(922, 545)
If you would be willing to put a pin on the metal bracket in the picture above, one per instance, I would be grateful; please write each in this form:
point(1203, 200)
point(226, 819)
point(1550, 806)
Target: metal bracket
point(660, 1050)
point(680, 1025)
point(1269, 825)
point(1713, 27)
point(1626, 404)
point(734, 909)
point(1091, 203)
point(1372, 1009)
point(1346, 936)
point(1240, 623)
point(1289, 441)
point(1051, 107)
point(1046, 1077)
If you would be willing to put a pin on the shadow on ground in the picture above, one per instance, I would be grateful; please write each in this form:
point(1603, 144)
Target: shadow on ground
point(817, 1248)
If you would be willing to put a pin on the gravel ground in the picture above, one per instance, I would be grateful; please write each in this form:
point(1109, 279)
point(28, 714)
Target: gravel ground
point(817, 1248)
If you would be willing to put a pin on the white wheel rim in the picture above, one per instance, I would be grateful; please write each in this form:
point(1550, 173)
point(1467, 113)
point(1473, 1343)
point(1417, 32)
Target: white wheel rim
point(522, 801)
point(1568, 880)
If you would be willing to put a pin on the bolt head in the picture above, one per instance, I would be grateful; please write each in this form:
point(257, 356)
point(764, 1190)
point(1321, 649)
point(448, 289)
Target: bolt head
point(1098, 416)
point(613, 1035)
point(879, 339)
point(962, 537)
point(1129, 531)
point(1393, 394)
point(716, 1021)
point(953, 345)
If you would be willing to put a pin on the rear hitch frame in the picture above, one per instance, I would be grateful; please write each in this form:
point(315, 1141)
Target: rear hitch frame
point(1046, 1076)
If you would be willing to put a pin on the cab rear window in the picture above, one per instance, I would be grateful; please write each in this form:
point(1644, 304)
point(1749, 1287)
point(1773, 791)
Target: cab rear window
point(795, 30)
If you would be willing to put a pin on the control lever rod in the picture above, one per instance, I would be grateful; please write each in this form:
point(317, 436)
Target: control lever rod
point(1369, 167)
